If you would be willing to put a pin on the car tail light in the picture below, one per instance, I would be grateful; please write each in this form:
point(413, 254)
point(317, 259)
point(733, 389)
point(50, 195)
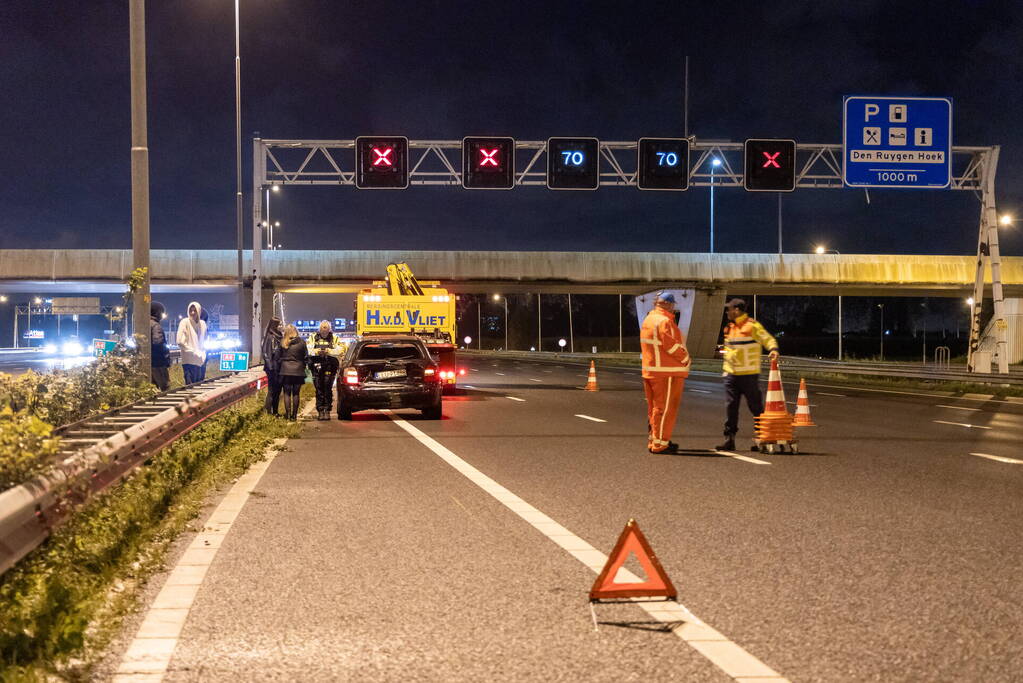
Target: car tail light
point(351, 376)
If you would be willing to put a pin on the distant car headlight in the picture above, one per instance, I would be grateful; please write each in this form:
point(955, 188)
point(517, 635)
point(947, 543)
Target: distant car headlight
point(72, 348)
point(212, 344)
point(50, 349)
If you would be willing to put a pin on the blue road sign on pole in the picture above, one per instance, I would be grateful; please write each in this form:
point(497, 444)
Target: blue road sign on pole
point(897, 142)
point(234, 361)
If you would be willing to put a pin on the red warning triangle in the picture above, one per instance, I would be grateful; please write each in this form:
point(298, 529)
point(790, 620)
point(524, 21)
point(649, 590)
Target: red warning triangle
point(657, 584)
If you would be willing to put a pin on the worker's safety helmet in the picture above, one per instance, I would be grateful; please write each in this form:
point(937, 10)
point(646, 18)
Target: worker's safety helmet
point(666, 297)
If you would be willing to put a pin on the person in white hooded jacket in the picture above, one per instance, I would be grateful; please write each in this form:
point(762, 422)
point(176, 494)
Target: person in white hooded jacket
point(192, 342)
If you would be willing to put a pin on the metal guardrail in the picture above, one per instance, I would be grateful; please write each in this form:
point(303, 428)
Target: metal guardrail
point(103, 450)
point(904, 371)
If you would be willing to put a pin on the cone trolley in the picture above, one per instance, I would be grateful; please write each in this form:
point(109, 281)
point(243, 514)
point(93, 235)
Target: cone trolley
point(773, 428)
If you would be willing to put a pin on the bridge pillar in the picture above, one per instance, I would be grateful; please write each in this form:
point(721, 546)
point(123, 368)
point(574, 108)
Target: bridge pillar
point(266, 298)
point(700, 314)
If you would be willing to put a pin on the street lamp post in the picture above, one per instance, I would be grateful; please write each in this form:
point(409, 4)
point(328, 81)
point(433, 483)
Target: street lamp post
point(140, 186)
point(571, 332)
point(881, 306)
point(715, 162)
point(238, 162)
point(498, 297)
point(822, 250)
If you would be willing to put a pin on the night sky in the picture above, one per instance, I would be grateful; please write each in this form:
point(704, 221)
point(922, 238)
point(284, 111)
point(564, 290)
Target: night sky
point(442, 70)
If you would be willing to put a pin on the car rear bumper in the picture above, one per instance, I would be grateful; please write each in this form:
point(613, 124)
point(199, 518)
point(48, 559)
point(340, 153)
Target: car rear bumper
point(361, 398)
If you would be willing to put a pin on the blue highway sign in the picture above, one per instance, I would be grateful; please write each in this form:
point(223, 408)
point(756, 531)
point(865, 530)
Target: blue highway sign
point(897, 142)
point(234, 361)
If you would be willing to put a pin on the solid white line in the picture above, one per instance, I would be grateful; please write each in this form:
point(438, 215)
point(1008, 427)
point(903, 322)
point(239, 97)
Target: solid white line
point(960, 424)
point(151, 651)
point(972, 410)
point(999, 458)
point(824, 393)
point(722, 652)
point(594, 419)
point(738, 456)
point(522, 400)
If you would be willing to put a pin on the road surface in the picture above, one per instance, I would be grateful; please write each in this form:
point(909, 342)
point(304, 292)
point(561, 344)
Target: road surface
point(395, 548)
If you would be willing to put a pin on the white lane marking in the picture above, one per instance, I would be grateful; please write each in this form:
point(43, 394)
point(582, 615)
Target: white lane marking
point(722, 652)
point(521, 400)
point(548, 371)
point(812, 405)
point(700, 391)
point(499, 373)
point(739, 456)
point(960, 424)
point(972, 410)
point(593, 419)
point(535, 380)
point(824, 393)
point(151, 651)
point(999, 458)
point(468, 386)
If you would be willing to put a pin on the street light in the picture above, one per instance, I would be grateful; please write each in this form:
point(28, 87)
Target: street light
point(498, 297)
point(823, 250)
point(714, 163)
point(1006, 219)
point(3, 298)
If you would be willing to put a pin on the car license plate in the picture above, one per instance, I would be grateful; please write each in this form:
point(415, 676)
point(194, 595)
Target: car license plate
point(388, 374)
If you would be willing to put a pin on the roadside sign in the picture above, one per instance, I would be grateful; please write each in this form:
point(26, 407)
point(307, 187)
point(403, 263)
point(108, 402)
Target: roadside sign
point(34, 334)
point(102, 347)
point(234, 361)
point(75, 305)
point(897, 142)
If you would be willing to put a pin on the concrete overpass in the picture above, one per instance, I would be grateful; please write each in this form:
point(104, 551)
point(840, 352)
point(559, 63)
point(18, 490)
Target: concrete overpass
point(704, 279)
point(513, 271)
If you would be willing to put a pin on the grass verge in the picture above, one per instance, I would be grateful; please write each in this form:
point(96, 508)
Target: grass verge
point(62, 604)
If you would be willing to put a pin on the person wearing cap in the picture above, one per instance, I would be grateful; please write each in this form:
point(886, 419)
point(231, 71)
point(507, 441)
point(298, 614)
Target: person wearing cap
point(665, 368)
point(744, 338)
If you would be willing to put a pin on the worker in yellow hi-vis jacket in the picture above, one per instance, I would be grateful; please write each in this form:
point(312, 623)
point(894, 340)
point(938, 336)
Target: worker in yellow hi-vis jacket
point(744, 338)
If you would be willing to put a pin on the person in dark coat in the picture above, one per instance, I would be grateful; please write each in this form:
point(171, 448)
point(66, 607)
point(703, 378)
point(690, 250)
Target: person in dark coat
point(160, 353)
point(271, 352)
point(293, 358)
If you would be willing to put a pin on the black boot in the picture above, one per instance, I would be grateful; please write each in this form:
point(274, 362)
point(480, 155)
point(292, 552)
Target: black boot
point(728, 445)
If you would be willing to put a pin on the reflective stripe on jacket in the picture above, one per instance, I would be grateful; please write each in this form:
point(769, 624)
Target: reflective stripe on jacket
point(332, 344)
point(663, 347)
point(743, 341)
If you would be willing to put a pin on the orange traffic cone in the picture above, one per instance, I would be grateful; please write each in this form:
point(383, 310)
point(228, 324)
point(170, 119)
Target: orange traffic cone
point(774, 425)
point(803, 418)
point(591, 381)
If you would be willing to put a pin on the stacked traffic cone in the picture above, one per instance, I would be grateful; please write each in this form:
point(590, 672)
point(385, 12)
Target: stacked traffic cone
point(803, 418)
point(774, 425)
point(591, 382)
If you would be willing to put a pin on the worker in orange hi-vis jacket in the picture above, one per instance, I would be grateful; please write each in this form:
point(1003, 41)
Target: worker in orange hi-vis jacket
point(665, 368)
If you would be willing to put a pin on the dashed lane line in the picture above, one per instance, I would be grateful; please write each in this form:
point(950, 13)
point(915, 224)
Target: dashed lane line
point(700, 391)
point(972, 410)
point(999, 458)
point(499, 373)
point(592, 419)
point(739, 456)
point(718, 649)
point(960, 424)
point(531, 379)
point(824, 393)
point(515, 398)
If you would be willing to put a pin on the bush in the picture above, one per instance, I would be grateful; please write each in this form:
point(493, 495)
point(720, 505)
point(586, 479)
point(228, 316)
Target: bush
point(64, 396)
point(26, 446)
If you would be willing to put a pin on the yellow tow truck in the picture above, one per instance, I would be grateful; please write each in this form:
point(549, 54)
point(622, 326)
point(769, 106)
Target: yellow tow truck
point(402, 305)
